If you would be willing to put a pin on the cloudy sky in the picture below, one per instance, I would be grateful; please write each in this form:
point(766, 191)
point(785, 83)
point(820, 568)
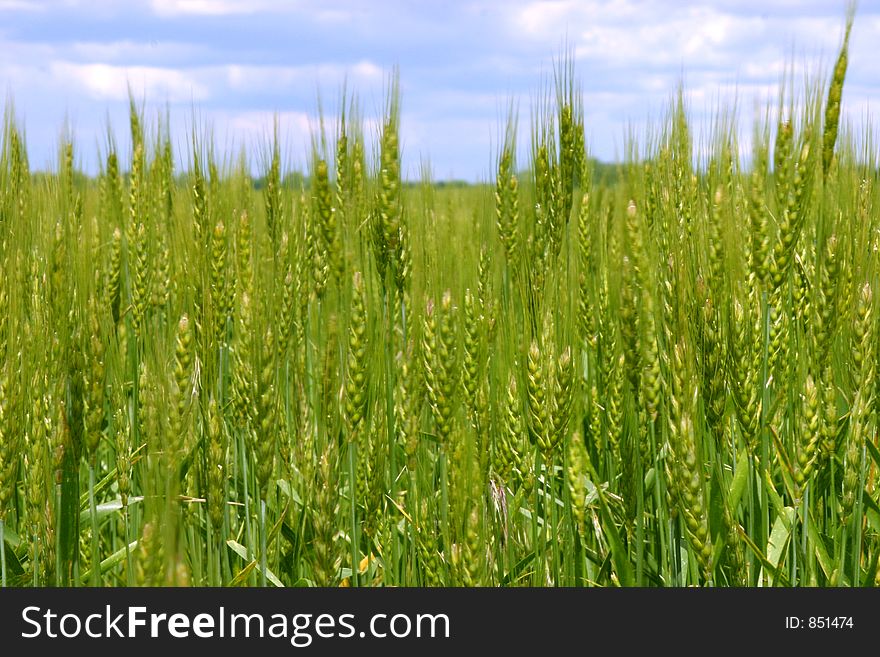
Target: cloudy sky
point(234, 64)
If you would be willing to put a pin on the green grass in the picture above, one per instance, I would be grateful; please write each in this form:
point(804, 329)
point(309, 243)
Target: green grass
point(663, 375)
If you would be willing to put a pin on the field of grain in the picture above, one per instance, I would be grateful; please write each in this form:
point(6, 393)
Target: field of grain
point(659, 373)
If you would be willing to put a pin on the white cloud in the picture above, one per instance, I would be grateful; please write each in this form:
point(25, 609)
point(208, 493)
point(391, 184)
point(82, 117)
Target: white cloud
point(95, 7)
point(656, 34)
point(339, 11)
point(109, 82)
point(461, 63)
point(260, 124)
point(242, 78)
point(334, 15)
point(633, 53)
point(537, 19)
point(128, 51)
point(20, 5)
point(701, 37)
point(172, 8)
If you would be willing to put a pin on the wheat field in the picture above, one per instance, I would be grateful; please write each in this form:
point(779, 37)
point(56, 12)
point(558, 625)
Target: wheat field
point(661, 372)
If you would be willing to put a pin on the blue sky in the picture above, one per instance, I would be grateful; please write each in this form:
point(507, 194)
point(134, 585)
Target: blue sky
point(234, 64)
